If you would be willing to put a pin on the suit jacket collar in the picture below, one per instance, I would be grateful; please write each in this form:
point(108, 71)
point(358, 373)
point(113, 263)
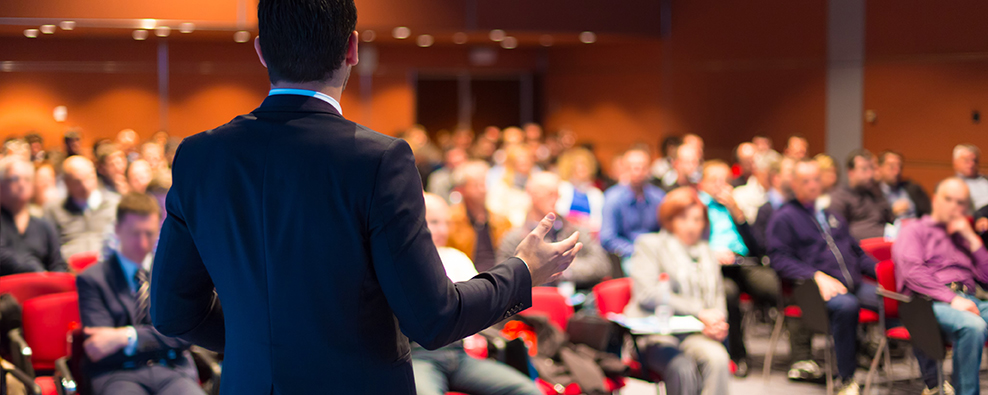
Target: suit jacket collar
point(118, 283)
point(295, 103)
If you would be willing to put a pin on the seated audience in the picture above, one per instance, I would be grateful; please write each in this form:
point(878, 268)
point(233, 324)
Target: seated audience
point(686, 163)
point(474, 230)
point(745, 157)
point(441, 181)
point(796, 147)
point(154, 154)
point(86, 215)
point(45, 190)
point(662, 167)
point(695, 363)
point(753, 194)
point(127, 140)
point(591, 264)
point(729, 238)
point(126, 355)
point(806, 243)
point(27, 243)
point(580, 202)
point(861, 203)
point(629, 209)
point(942, 257)
point(696, 142)
point(779, 175)
point(450, 368)
point(111, 167)
point(907, 198)
point(506, 193)
point(828, 179)
point(139, 174)
point(967, 157)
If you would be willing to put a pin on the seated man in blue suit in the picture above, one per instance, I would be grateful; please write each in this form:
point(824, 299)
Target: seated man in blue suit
point(126, 354)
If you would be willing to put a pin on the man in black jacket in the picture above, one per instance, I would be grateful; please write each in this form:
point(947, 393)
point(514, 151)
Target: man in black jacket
point(311, 230)
point(907, 198)
point(27, 244)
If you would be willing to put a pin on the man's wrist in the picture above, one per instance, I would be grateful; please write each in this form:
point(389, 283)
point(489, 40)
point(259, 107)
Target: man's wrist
point(129, 340)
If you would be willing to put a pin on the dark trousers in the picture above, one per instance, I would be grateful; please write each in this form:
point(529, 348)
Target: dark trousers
point(148, 380)
point(844, 310)
point(761, 283)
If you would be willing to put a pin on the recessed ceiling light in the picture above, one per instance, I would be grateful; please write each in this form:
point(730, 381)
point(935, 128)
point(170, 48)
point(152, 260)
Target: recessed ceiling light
point(546, 40)
point(509, 42)
point(148, 24)
point(368, 36)
point(588, 37)
point(140, 34)
point(460, 38)
point(401, 32)
point(187, 27)
point(47, 29)
point(425, 40)
point(497, 35)
point(241, 36)
point(6, 66)
point(31, 33)
point(162, 31)
point(67, 25)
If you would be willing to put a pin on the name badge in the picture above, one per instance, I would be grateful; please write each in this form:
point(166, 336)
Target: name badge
point(834, 223)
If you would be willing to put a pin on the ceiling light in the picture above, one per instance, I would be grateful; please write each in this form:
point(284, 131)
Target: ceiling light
point(31, 33)
point(140, 35)
point(401, 32)
point(509, 42)
point(67, 25)
point(48, 29)
point(460, 38)
point(187, 27)
point(6, 66)
point(148, 24)
point(162, 31)
point(241, 36)
point(588, 37)
point(497, 35)
point(425, 41)
point(368, 36)
point(546, 40)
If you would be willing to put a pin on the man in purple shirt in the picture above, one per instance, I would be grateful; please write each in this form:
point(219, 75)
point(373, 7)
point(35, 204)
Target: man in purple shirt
point(941, 256)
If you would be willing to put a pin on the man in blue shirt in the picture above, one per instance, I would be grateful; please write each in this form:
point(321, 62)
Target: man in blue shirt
point(629, 209)
point(126, 354)
point(730, 237)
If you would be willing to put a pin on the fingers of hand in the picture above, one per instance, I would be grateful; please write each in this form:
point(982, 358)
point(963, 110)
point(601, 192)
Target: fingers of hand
point(544, 225)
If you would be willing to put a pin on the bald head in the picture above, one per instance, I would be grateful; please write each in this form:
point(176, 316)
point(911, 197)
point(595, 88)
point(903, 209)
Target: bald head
point(80, 177)
point(437, 218)
point(951, 200)
point(543, 188)
point(16, 183)
point(806, 185)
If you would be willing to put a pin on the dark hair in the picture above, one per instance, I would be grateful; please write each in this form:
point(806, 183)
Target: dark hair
point(860, 152)
point(304, 40)
point(881, 157)
point(33, 137)
point(139, 204)
point(670, 142)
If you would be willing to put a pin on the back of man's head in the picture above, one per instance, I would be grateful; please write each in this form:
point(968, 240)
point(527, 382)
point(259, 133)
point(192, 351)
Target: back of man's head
point(304, 40)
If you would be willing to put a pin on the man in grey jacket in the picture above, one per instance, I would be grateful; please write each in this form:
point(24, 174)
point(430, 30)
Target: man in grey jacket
point(86, 216)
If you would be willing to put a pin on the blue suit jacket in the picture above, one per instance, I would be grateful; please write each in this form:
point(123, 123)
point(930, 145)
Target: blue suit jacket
point(105, 299)
point(311, 228)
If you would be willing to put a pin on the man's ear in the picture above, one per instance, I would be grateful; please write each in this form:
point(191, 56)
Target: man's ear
point(351, 49)
point(257, 48)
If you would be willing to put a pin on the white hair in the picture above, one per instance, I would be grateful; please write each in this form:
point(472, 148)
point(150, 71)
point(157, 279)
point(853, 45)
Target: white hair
point(960, 149)
point(472, 170)
point(8, 163)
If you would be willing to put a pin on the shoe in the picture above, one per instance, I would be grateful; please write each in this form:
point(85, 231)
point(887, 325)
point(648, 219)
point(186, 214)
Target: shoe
point(947, 390)
point(741, 368)
point(806, 370)
point(850, 387)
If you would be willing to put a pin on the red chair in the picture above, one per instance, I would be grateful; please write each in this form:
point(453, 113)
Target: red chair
point(548, 302)
point(612, 295)
point(25, 286)
point(80, 261)
point(44, 336)
point(878, 248)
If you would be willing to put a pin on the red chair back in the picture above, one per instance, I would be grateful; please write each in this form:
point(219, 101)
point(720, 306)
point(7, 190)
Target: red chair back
point(885, 270)
point(25, 286)
point(82, 260)
point(878, 248)
point(547, 301)
point(612, 295)
point(48, 320)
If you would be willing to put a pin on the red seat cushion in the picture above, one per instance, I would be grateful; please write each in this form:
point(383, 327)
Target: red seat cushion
point(25, 286)
point(867, 317)
point(47, 320)
point(898, 333)
point(47, 384)
point(792, 312)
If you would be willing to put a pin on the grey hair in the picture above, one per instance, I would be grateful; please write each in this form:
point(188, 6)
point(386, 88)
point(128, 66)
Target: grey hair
point(8, 163)
point(474, 169)
point(959, 150)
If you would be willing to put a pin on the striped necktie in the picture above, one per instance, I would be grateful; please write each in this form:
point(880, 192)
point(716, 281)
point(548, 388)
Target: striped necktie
point(143, 298)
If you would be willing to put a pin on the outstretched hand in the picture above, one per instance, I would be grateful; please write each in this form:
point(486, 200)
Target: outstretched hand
point(547, 261)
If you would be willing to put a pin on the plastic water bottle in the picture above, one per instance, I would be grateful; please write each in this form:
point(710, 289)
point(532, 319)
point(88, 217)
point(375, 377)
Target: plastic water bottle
point(663, 311)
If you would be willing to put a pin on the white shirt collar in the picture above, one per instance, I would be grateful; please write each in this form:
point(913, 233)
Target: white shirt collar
point(305, 92)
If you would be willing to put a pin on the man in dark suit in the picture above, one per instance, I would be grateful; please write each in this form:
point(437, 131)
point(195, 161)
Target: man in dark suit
point(126, 355)
point(311, 230)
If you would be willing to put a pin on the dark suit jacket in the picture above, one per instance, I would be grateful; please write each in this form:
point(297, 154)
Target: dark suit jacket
point(105, 299)
point(760, 228)
point(312, 230)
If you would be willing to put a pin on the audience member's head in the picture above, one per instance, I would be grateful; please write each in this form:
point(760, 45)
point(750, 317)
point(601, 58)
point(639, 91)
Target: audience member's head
point(35, 143)
point(455, 157)
point(513, 136)
point(828, 172)
point(860, 169)
point(111, 162)
point(951, 200)
point(17, 147)
point(796, 147)
point(158, 187)
point(637, 162)
point(966, 160)
point(16, 183)
point(696, 142)
point(762, 144)
point(543, 188)
point(780, 176)
point(483, 148)
point(139, 175)
point(618, 171)
point(80, 177)
point(745, 155)
point(761, 169)
point(138, 222)
point(716, 178)
point(890, 167)
point(307, 41)
point(470, 180)
point(669, 146)
point(806, 185)
point(533, 132)
point(686, 163)
point(577, 165)
point(160, 137)
point(437, 218)
point(154, 154)
point(520, 160)
point(684, 215)
point(127, 140)
point(44, 184)
point(73, 143)
point(462, 138)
